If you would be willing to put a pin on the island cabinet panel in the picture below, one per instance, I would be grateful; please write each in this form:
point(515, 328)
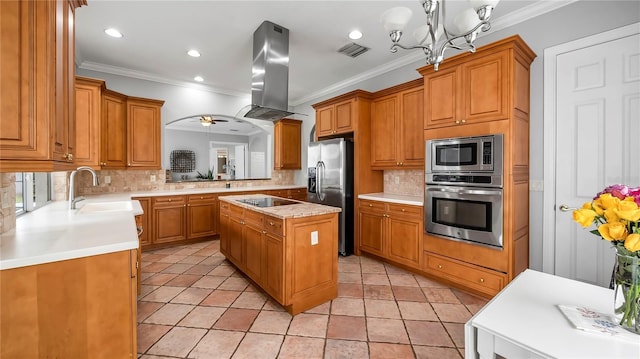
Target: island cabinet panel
point(294, 259)
point(79, 308)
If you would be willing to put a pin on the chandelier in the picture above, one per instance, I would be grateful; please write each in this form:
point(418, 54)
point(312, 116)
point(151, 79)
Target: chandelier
point(466, 26)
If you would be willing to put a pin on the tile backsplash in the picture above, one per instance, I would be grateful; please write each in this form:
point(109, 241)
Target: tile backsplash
point(7, 202)
point(404, 182)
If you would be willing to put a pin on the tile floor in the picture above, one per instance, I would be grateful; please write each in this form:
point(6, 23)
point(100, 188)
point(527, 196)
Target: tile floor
point(194, 304)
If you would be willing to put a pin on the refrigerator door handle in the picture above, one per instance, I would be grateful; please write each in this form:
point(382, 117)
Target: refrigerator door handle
point(319, 179)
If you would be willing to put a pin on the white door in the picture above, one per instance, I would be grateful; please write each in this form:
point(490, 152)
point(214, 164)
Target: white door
point(597, 127)
point(241, 163)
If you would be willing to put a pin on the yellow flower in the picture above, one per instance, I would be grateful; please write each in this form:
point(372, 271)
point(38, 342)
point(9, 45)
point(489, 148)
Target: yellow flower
point(608, 201)
point(613, 231)
point(611, 215)
point(628, 210)
point(584, 216)
point(632, 243)
point(597, 206)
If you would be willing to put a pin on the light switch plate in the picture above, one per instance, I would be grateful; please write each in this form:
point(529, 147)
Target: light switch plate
point(107, 179)
point(536, 185)
point(152, 178)
point(314, 238)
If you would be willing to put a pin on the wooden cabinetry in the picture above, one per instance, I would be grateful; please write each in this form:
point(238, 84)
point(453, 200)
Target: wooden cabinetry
point(299, 194)
point(145, 220)
point(287, 144)
point(278, 256)
point(396, 127)
point(37, 57)
point(392, 231)
point(169, 219)
point(113, 131)
point(78, 308)
point(88, 105)
point(335, 118)
point(202, 215)
point(143, 133)
point(476, 95)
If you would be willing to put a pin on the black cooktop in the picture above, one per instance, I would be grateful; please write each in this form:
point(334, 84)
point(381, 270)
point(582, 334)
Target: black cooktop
point(267, 201)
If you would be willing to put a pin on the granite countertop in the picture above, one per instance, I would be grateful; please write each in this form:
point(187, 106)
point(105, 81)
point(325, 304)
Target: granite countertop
point(301, 209)
point(393, 198)
point(187, 191)
point(55, 233)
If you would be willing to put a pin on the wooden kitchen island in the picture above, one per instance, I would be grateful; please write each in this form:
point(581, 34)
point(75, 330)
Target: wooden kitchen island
point(288, 248)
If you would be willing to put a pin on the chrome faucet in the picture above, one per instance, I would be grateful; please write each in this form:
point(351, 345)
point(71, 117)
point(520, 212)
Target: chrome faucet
point(72, 185)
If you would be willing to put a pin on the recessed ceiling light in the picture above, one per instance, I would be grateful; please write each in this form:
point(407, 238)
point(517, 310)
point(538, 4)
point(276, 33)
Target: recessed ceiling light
point(113, 32)
point(355, 35)
point(198, 78)
point(193, 53)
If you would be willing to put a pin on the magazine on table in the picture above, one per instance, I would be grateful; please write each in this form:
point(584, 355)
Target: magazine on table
point(586, 319)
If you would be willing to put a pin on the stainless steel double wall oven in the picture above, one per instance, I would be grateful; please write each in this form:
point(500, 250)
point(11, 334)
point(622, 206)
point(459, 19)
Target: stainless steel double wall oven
point(463, 189)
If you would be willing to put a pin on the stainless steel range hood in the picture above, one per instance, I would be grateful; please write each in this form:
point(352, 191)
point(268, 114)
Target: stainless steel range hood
point(270, 73)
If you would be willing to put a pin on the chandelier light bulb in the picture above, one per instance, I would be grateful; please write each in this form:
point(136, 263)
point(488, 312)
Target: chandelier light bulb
point(395, 19)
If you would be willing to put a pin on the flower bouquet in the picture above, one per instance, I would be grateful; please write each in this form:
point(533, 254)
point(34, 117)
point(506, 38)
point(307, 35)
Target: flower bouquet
point(616, 213)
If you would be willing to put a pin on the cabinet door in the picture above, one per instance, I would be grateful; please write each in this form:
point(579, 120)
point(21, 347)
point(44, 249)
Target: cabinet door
point(274, 266)
point(410, 142)
point(287, 143)
point(252, 252)
point(441, 98)
point(88, 97)
point(169, 224)
point(224, 233)
point(113, 153)
point(485, 83)
point(384, 113)
point(145, 236)
point(235, 243)
point(201, 220)
point(324, 121)
point(371, 231)
point(343, 117)
point(143, 133)
point(404, 236)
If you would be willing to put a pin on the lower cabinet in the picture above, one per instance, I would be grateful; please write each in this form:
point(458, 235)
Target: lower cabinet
point(169, 219)
point(476, 278)
point(391, 231)
point(202, 215)
point(77, 308)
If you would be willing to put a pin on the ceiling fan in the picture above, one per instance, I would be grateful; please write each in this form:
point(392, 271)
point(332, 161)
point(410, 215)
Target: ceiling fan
point(208, 120)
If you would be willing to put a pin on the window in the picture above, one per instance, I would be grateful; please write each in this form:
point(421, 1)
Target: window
point(33, 190)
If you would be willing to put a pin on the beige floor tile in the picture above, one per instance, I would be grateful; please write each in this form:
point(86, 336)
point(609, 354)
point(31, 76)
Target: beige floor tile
point(324, 308)
point(154, 267)
point(209, 281)
point(223, 271)
point(234, 283)
point(386, 331)
point(271, 322)
point(440, 295)
point(454, 313)
point(346, 327)
point(377, 292)
point(221, 298)
point(428, 333)
point(309, 325)
point(403, 280)
point(192, 296)
point(353, 290)
point(301, 347)
point(236, 319)
point(375, 279)
point(257, 345)
point(376, 308)
point(145, 309)
point(417, 311)
point(163, 294)
point(184, 280)
point(250, 300)
point(201, 269)
point(424, 282)
point(456, 332)
point(347, 306)
point(346, 277)
point(345, 349)
point(387, 351)
point(202, 317)
point(373, 267)
point(146, 289)
point(148, 334)
point(169, 314)
point(172, 258)
point(178, 342)
point(423, 352)
point(177, 268)
point(158, 279)
point(217, 344)
point(349, 268)
point(408, 294)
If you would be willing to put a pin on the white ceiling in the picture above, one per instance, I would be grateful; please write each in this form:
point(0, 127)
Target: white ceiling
point(157, 35)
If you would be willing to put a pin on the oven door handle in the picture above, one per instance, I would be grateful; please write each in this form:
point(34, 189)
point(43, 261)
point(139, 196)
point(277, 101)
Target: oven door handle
point(460, 190)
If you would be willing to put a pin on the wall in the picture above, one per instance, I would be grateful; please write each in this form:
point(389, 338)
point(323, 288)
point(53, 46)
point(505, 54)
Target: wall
point(7, 202)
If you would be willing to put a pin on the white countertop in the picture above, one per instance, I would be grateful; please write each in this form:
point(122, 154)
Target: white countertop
point(55, 233)
point(393, 198)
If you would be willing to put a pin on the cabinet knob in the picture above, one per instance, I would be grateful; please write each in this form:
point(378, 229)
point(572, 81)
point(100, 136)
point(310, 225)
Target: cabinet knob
point(403, 210)
point(271, 223)
point(481, 280)
point(439, 266)
point(264, 232)
point(68, 156)
point(169, 199)
point(464, 121)
point(189, 205)
point(401, 164)
point(201, 197)
point(370, 205)
point(129, 164)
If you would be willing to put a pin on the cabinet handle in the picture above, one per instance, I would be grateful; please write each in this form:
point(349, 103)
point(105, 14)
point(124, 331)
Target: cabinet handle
point(481, 280)
point(401, 164)
point(370, 205)
point(201, 197)
point(129, 164)
point(439, 266)
point(68, 156)
point(271, 223)
point(169, 199)
point(264, 232)
point(403, 210)
point(464, 121)
point(189, 205)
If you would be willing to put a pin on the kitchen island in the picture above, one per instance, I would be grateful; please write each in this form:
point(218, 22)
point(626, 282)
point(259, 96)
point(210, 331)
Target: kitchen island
point(288, 248)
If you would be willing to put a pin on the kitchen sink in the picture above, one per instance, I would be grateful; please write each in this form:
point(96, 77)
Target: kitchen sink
point(99, 207)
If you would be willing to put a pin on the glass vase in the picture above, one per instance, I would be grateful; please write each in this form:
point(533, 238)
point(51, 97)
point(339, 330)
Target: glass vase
point(627, 292)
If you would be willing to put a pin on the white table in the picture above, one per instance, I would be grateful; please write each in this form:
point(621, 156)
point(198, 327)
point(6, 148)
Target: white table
point(522, 321)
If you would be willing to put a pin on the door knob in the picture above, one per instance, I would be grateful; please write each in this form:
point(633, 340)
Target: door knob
point(565, 208)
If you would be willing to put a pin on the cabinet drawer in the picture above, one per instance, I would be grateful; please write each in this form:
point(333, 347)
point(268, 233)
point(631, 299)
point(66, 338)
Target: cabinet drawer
point(274, 225)
point(254, 218)
point(236, 211)
point(169, 201)
point(366, 205)
point(224, 206)
point(474, 277)
point(205, 197)
point(405, 209)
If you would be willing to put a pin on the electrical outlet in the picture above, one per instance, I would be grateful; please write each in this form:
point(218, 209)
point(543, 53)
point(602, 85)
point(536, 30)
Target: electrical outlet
point(314, 238)
point(152, 178)
point(107, 179)
point(396, 179)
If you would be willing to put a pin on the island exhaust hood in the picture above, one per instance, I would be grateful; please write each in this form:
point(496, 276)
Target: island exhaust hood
point(270, 73)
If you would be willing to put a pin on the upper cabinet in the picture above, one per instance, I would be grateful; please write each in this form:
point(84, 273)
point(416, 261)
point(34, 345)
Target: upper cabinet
point(342, 115)
point(114, 131)
point(37, 75)
point(476, 88)
point(287, 144)
point(396, 127)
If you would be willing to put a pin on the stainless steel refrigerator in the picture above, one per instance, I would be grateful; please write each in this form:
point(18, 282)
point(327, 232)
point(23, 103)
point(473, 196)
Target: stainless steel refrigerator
point(330, 182)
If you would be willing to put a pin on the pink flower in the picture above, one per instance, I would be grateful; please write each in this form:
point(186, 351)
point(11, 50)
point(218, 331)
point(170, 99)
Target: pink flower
point(617, 190)
point(635, 193)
